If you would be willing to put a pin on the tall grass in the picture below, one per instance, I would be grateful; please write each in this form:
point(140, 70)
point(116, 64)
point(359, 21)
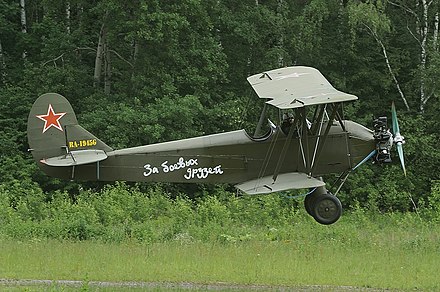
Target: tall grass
point(122, 234)
point(120, 213)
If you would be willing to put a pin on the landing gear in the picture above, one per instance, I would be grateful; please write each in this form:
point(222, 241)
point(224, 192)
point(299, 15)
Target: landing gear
point(327, 209)
point(323, 206)
point(310, 199)
point(308, 203)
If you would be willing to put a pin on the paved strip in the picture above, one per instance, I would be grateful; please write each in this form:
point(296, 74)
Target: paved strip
point(181, 285)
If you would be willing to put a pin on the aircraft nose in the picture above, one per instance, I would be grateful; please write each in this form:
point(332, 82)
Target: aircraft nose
point(361, 142)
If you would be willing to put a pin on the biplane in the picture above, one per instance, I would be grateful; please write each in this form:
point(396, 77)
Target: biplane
point(312, 140)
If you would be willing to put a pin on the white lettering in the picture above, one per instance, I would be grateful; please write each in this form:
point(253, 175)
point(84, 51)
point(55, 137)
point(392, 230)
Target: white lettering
point(149, 170)
point(165, 166)
point(202, 172)
point(182, 163)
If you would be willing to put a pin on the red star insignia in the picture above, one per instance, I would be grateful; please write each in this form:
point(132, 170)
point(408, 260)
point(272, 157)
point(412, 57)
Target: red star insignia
point(51, 119)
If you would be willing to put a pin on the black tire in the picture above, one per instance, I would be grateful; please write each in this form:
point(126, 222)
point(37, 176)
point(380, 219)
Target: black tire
point(308, 203)
point(327, 209)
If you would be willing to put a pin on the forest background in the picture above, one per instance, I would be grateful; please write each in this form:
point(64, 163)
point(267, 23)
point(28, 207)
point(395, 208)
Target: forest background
point(141, 72)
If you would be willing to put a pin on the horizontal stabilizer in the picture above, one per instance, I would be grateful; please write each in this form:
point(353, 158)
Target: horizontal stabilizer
point(286, 181)
point(77, 157)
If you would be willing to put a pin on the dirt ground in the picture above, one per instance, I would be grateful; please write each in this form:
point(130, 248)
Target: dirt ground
point(175, 286)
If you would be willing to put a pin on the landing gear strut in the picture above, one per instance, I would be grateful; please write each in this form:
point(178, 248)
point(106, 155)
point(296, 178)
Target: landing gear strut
point(323, 206)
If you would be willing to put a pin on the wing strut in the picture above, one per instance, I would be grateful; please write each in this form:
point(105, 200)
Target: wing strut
point(324, 137)
point(284, 150)
point(305, 138)
point(322, 109)
point(261, 120)
point(341, 122)
point(268, 155)
point(301, 123)
point(318, 136)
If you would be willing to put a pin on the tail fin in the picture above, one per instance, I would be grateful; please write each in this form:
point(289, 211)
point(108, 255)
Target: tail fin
point(53, 131)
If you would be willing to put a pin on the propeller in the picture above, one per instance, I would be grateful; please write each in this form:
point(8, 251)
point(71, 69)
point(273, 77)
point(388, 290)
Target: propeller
point(385, 139)
point(398, 139)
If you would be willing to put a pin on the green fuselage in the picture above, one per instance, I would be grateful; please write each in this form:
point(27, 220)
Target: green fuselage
point(231, 157)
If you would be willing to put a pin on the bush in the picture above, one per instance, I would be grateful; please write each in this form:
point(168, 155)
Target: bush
point(120, 212)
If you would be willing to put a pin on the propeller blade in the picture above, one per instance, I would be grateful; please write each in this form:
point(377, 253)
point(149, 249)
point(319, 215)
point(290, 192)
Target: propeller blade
point(396, 130)
point(402, 159)
point(398, 139)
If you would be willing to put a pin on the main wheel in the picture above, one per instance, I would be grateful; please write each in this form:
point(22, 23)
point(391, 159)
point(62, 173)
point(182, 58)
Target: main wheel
point(311, 197)
point(308, 203)
point(327, 209)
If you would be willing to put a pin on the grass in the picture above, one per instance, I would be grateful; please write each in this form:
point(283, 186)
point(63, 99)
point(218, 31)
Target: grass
point(392, 252)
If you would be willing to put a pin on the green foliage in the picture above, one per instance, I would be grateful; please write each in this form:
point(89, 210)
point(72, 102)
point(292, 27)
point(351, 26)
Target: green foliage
point(370, 16)
point(433, 209)
point(311, 24)
point(120, 213)
point(178, 69)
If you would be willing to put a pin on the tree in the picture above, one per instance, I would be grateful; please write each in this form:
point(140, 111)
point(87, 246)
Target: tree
point(140, 72)
point(372, 18)
point(423, 25)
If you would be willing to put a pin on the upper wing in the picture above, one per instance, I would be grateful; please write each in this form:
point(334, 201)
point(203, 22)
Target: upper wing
point(285, 181)
point(296, 86)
